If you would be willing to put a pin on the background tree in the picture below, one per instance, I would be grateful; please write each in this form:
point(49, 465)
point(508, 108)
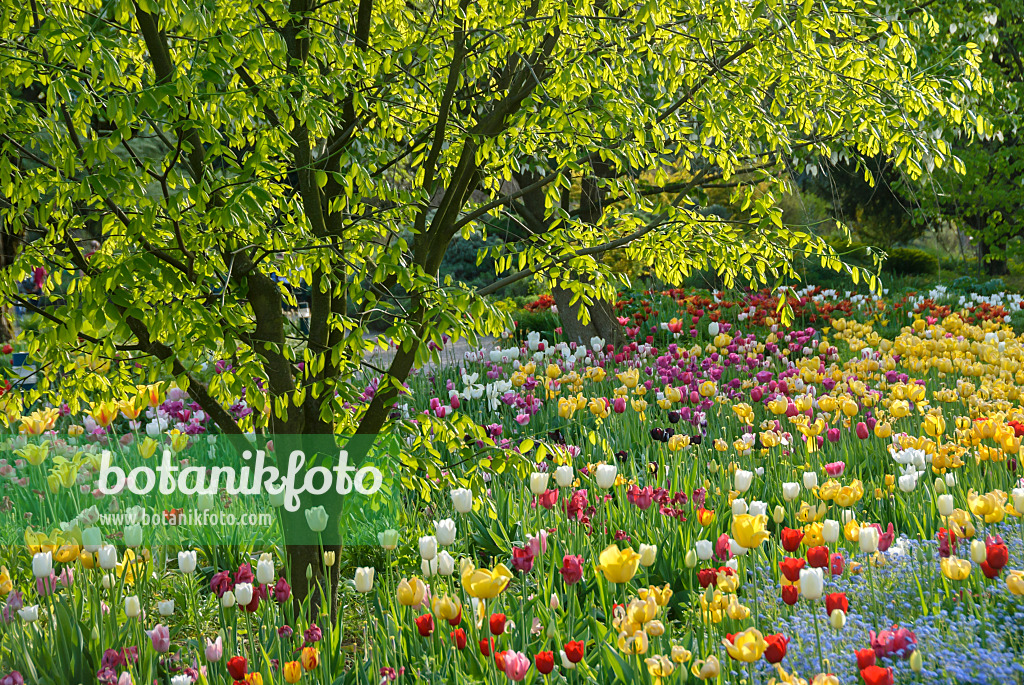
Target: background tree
point(346, 145)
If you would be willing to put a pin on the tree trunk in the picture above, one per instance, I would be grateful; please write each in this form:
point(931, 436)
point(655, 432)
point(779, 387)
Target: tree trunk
point(602, 322)
point(7, 332)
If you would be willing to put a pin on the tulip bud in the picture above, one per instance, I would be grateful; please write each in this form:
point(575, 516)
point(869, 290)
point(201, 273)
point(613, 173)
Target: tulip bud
point(945, 503)
point(227, 600)
point(648, 554)
point(916, 661)
point(978, 551)
point(554, 603)
point(132, 607)
point(309, 572)
point(691, 559)
point(779, 515)
point(713, 467)
point(940, 486)
point(950, 479)
point(329, 559)
point(837, 619)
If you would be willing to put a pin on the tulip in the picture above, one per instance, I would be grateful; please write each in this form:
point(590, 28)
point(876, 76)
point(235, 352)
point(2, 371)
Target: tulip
point(916, 662)
point(1015, 583)
point(572, 569)
point(706, 669)
point(316, 519)
point(605, 475)
point(166, 607)
point(945, 505)
point(812, 583)
point(705, 550)
point(618, 566)
point(779, 514)
point(364, 579)
point(429, 568)
point(776, 649)
point(411, 592)
point(790, 491)
point(791, 539)
point(428, 547)
point(749, 531)
point(954, 568)
point(978, 551)
point(746, 646)
point(444, 531)
point(132, 607)
point(516, 665)
point(425, 625)
point(743, 480)
point(243, 593)
point(310, 658)
point(739, 506)
point(160, 636)
point(690, 560)
point(462, 500)
point(292, 672)
point(238, 667)
point(29, 614)
point(214, 650)
point(837, 619)
point(538, 483)
point(92, 539)
point(648, 555)
point(187, 561)
point(42, 564)
point(133, 535)
point(265, 571)
point(544, 661)
point(227, 600)
point(659, 667)
point(830, 531)
point(1018, 500)
point(388, 539)
point(876, 675)
point(484, 584)
point(445, 563)
point(564, 476)
point(868, 540)
point(573, 652)
point(446, 608)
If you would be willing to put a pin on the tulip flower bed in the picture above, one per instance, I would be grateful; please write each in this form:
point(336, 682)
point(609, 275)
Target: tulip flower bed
point(724, 501)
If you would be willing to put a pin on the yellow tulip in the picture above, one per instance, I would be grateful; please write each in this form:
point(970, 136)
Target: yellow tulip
point(1014, 582)
point(635, 643)
point(104, 413)
point(706, 669)
point(659, 667)
point(5, 581)
point(747, 646)
point(147, 448)
point(934, 425)
point(681, 654)
point(749, 531)
point(484, 584)
point(955, 569)
point(446, 608)
point(39, 421)
point(411, 592)
point(292, 672)
point(618, 566)
point(34, 454)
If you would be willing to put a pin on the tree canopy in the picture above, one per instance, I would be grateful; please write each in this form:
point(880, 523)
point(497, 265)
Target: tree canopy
point(214, 151)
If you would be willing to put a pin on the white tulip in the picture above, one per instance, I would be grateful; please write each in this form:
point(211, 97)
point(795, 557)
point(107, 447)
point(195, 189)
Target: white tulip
point(107, 556)
point(705, 550)
point(945, 505)
point(166, 608)
point(228, 599)
point(978, 551)
point(743, 480)
point(462, 500)
point(429, 567)
point(445, 564)
point(713, 328)
point(605, 474)
point(564, 476)
point(29, 614)
point(830, 531)
point(810, 480)
point(868, 540)
point(187, 561)
point(758, 508)
point(648, 554)
point(737, 549)
point(92, 538)
point(812, 583)
point(243, 593)
point(538, 483)
point(444, 531)
point(265, 571)
point(739, 506)
point(1018, 500)
point(364, 579)
point(428, 547)
point(42, 564)
point(132, 607)
point(790, 491)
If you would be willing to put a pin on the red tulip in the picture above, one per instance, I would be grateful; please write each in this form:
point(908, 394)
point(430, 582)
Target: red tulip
point(817, 557)
point(876, 675)
point(497, 624)
point(865, 658)
point(790, 594)
point(791, 539)
point(574, 651)
point(989, 571)
point(458, 637)
point(791, 568)
point(425, 624)
point(487, 646)
point(237, 667)
point(545, 662)
point(862, 430)
point(706, 576)
point(836, 600)
point(499, 660)
point(776, 650)
point(997, 555)
point(838, 564)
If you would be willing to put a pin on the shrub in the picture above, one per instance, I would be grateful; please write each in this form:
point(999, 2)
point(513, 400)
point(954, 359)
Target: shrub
point(911, 261)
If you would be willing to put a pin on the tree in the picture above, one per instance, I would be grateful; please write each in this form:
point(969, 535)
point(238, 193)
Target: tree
point(346, 145)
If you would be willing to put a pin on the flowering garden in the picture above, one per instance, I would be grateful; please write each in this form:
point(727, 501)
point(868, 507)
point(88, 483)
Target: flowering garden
point(721, 499)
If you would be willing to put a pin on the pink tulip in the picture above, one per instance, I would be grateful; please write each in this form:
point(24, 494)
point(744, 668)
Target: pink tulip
point(836, 468)
point(862, 430)
point(516, 665)
point(161, 637)
point(214, 650)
